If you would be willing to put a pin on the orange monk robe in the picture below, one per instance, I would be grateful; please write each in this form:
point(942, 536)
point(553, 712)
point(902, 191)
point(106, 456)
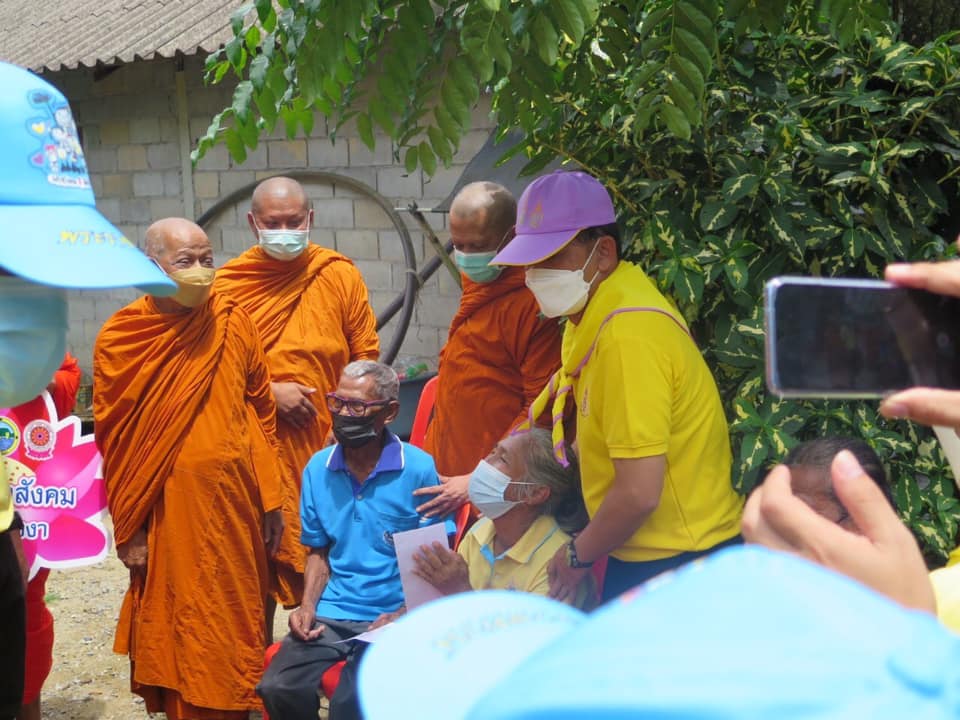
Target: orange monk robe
point(314, 317)
point(500, 353)
point(179, 399)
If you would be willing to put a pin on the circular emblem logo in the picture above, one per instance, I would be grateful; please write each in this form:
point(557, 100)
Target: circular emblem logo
point(9, 436)
point(39, 439)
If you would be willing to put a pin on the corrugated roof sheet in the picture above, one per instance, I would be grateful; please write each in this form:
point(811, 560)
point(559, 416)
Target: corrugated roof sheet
point(66, 33)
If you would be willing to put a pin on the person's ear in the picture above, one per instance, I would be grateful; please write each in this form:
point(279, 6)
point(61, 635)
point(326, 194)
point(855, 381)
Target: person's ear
point(310, 219)
point(607, 254)
point(537, 495)
point(392, 410)
point(253, 224)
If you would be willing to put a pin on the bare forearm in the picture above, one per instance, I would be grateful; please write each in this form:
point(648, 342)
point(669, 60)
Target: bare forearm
point(316, 574)
point(610, 528)
point(632, 498)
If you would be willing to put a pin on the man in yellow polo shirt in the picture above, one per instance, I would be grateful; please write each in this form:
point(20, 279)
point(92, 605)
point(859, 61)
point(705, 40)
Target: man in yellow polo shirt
point(654, 447)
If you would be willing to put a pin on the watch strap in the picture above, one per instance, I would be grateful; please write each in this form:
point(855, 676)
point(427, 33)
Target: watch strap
point(572, 558)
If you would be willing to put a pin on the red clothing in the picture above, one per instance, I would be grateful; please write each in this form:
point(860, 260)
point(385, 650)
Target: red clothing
point(66, 385)
point(39, 658)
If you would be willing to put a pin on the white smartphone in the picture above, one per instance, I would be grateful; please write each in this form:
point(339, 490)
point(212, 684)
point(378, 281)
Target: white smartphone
point(841, 338)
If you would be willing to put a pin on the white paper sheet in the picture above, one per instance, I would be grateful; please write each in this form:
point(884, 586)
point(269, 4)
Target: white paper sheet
point(369, 636)
point(951, 448)
point(417, 591)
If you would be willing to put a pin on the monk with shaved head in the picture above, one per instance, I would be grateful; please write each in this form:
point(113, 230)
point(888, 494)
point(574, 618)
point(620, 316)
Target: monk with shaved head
point(500, 351)
point(186, 424)
point(311, 309)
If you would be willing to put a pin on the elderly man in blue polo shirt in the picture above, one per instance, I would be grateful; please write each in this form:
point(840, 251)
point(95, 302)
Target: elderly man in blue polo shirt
point(355, 496)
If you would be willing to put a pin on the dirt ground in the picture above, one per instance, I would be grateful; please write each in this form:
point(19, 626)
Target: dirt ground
point(88, 681)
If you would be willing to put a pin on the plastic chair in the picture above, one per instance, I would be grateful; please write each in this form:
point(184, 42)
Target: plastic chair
point(599, 571)
point(418, 433)
point(328, 681)
point(268, 655)
point(462, 520)
point(428, 396)
point(331, 678)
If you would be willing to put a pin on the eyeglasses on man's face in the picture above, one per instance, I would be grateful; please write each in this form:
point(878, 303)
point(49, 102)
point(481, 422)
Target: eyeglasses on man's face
point(356, 408)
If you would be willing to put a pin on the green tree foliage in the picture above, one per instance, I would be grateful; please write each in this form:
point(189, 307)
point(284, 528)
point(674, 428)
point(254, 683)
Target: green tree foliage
point(925, 20)
point(741, 141)
point(431, 59)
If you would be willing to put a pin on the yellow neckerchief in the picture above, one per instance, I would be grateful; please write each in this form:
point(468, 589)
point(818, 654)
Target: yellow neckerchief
point(579, 342)
point(954, 557)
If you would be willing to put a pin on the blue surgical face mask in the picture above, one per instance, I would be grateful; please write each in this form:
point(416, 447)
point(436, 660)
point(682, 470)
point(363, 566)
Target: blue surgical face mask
point(33, 338)
point(487, 487)
point(284, 244)
point(476, 265)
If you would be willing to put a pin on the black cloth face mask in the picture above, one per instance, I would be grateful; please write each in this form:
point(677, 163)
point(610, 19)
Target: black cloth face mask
point(354, 432)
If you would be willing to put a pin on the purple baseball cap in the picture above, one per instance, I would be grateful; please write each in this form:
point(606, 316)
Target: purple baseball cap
point(551, 211)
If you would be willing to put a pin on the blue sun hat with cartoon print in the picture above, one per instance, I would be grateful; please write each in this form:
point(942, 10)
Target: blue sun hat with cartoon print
point(52, 233)
point(747, 633)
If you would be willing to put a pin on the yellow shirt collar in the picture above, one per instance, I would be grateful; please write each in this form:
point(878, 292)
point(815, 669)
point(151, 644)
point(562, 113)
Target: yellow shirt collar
point(540, 530)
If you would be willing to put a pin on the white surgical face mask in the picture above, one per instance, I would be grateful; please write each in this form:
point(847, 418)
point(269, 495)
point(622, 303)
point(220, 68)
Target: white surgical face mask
point(33, 338)
point(487, 486)
point(283, 244)
point(560, 292)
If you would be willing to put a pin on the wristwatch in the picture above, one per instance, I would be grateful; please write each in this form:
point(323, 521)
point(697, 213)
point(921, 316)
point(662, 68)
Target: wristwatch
point(572, 559)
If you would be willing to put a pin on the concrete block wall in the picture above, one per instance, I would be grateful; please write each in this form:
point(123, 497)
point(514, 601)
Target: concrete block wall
point(131, 135)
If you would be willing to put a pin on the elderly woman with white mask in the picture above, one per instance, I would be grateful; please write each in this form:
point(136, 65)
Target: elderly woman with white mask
point(531, 504)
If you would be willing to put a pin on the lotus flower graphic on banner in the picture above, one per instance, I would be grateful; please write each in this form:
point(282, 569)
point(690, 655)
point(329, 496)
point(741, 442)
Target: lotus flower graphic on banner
point(56, 480)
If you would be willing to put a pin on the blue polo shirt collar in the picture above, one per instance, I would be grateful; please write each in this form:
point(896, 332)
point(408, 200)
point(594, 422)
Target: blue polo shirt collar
point(391, 457)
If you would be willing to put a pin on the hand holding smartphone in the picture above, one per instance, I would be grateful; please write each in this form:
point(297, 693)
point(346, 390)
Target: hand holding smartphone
point(841, 338)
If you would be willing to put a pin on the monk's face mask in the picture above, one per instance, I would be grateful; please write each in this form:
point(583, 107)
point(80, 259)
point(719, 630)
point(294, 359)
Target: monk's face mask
point(283, 244)
point(476, 266)
point(193, 285)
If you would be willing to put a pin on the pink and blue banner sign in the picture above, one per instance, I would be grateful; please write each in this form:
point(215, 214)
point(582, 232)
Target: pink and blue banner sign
point(56, 480)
